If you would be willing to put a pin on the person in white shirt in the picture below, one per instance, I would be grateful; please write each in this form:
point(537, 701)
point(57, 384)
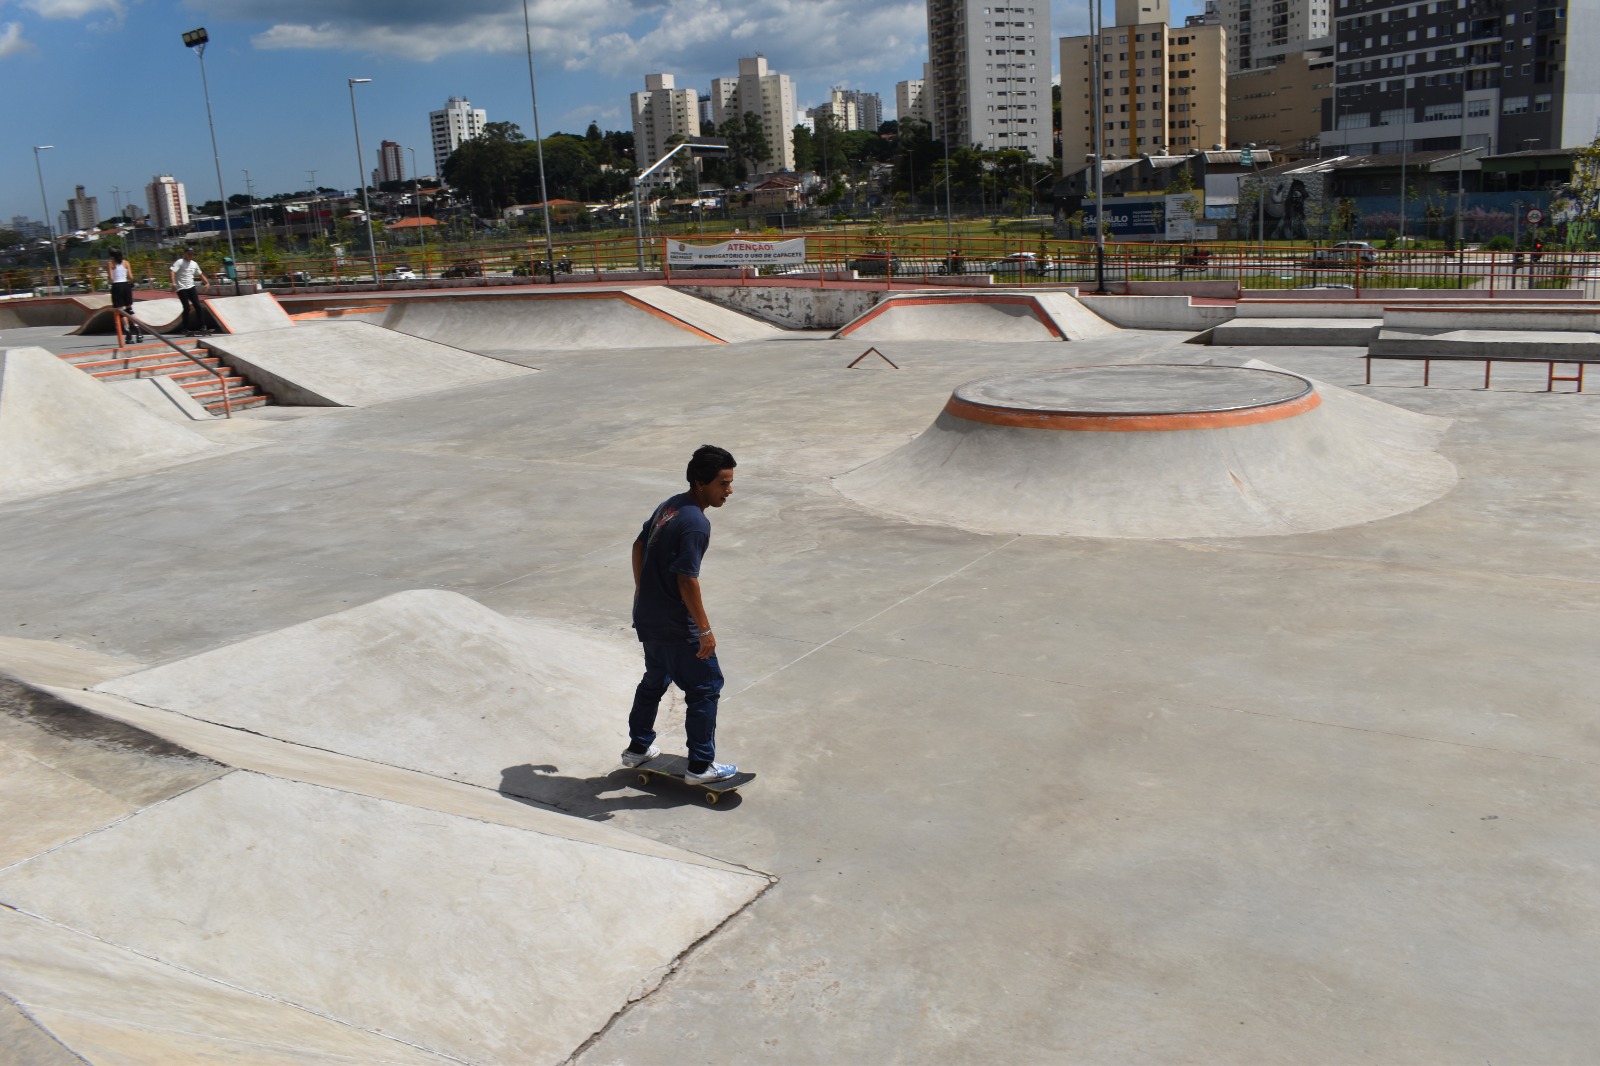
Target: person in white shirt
point(121, 279)
point(184, 273)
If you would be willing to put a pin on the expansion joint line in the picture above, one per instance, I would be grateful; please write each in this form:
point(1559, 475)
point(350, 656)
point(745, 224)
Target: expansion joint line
point(872, 618)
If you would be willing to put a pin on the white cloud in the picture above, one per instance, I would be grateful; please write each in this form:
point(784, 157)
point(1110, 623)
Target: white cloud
point(819, 43)
point(74, 9)
point(11, 41)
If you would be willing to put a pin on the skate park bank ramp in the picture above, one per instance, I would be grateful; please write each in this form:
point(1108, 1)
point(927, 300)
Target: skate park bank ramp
point(232, 314)
point(1153, 451)
point(258, 899)
point(998, 316)
point(352, 364)
point(60, 427)
point(639, 317)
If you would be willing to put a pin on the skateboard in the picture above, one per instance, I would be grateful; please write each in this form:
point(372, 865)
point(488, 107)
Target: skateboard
point(673, 767)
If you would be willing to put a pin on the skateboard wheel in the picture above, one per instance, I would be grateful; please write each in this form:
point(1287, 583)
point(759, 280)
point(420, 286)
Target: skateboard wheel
point(644, 779)
point(711, 798)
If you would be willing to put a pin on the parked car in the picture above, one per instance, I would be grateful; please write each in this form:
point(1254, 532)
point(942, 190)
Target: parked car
point(464, 268)
point(400, 272)
point(294, 277)
point(875, 263)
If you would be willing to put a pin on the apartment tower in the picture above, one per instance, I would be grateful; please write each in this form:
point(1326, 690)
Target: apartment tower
point(169, 207)
point(458, 121)
point(661, 112)
point(1261, 33)
point(766, 94)
point(988, 78)
point(1162, 89)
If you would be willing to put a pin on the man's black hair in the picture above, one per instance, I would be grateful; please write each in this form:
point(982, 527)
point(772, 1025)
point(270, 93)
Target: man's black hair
point(708, 461)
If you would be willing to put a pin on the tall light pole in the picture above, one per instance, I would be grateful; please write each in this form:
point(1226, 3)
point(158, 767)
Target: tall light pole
point(44, 202)
point(538, 144)
point(1405, 142)
point(197, 39)
point(255, 230)
point(416, 194)
point(366, 205)
point(1097, 113)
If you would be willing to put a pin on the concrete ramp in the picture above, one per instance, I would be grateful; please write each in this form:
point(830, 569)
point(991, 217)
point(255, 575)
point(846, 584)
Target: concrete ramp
point(598, 319)
point(246, 314)
point(253, 919)
point(720, 322)
point(1150, 451)
point(1293, 332)
point(352, 364)
point(60, 427)
point(427, 680)
point(987, 316)
point(50, 311)
point(163, 315)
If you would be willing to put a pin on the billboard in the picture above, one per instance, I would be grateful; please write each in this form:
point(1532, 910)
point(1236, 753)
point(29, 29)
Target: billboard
point(1167, 217)
point(737, 253)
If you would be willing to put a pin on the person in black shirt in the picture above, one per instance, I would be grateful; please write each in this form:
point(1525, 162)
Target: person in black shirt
point(670, 618)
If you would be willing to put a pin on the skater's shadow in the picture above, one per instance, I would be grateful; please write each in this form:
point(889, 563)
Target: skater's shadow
point(598, 798)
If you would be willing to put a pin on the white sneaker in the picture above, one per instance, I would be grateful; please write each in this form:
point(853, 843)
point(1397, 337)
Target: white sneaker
point(717, 771)
point(635, 758)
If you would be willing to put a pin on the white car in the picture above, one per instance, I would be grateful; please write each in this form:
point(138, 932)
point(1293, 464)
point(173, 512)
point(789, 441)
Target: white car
point(400, 273)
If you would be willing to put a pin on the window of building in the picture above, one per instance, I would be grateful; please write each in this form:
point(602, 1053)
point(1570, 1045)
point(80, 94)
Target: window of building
point(1514, 105)
point(1541, 102)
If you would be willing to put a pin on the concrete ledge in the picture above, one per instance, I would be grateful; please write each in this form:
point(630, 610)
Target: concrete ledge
point(1337, 332)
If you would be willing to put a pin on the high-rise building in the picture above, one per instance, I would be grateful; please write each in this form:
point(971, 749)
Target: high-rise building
point(1261, 33)
point(763, 93)
point(169, 206)
point(869, 108)
point(391, 163)
point(458, 121)
point(1448, 75)
point(910, 98)
point(989, 74)
point(1280, 107)
point(840, 108)
point(661, 112)
point(83, 212)
point(1162, 88)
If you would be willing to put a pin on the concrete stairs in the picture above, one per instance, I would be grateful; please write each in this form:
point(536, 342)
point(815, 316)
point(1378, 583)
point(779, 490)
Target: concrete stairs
point(158, 360)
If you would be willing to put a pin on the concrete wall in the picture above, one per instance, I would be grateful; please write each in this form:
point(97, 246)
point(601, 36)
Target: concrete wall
point(1427, 295)
point(1156, 312)
point(789, 306)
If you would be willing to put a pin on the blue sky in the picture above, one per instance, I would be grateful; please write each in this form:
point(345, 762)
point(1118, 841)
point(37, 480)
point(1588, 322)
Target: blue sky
point(110, 85)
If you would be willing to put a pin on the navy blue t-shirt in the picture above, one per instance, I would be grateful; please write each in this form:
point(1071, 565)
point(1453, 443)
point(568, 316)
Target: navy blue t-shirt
point(675, 538)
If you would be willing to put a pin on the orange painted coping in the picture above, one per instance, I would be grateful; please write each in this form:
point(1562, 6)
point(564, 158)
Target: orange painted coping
point(337, 312)
point(1114, 423)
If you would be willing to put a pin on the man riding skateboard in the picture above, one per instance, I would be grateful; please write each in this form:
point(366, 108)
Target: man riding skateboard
point(671, 620)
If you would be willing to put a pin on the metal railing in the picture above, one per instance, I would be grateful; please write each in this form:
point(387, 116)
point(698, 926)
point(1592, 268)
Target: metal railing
point(222, 379)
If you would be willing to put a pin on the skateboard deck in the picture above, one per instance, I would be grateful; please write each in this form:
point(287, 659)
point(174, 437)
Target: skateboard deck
point(673, 767)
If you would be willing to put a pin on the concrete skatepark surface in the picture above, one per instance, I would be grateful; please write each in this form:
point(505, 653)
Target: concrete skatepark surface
point(1322, 797)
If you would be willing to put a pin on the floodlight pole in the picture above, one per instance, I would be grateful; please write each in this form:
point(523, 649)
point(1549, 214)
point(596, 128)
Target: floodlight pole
point(416, 193)
point(538, 142)
point(1096, 25)
point(366, 204)
point(638, 182)
point(197, 40)
point(44, 202)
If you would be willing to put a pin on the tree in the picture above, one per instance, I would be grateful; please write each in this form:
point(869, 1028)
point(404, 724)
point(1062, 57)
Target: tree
point(1578, 204)
point(486, 168)
point(747, 143)
point(805, 148)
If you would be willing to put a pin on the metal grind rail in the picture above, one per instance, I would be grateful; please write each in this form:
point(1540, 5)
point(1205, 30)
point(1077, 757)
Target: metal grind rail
point(222, 379)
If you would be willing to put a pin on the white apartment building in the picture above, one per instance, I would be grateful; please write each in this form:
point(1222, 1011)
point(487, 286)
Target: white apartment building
point(458, 121)
point(869, 108)
point(1261, 33)
point(659, 113)
point(840, 108)
point(989, 74)
point(168, 204)
point(83, 212)
point(910, 99)
point(771, 96)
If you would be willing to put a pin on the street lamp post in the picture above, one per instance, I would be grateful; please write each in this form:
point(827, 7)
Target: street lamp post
point(1096, 113)
point(538, 143)
point(1405, 142)
point(197, 40)
point(44, 202)
point(366, 204)
point(416, 194)
point(638, 183)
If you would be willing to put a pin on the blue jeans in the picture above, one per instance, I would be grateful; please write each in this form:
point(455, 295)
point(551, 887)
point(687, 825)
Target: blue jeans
point(673, 662)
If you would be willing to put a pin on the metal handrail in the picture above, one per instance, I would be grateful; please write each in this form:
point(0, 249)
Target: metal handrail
point(222, 379)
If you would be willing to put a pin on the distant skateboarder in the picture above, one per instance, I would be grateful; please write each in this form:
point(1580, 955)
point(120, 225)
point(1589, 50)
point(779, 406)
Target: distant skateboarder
point(671, 620)
point(184, 272)
point(121, 279)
